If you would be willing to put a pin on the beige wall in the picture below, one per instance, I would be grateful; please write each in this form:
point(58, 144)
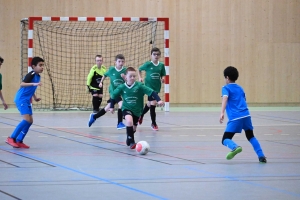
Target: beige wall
point(259, 37)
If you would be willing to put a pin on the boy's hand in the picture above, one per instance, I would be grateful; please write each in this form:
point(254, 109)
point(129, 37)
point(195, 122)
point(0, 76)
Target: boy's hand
point(5, 106)
point(161, 103)
point(37, 99)
point(221, 118)
point(111, 110)
point(100, 85)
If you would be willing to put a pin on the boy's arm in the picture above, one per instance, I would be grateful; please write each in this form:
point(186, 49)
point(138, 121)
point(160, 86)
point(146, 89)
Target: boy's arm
point(23, 84)
point(140, 75)
point(89, 77)
point(101, 82)
point(224, 103)
point(157, 98)
point(3, 101)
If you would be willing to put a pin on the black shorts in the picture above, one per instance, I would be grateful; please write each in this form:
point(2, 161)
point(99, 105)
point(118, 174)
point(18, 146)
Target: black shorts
point(93, 91)
point(150, 98)
point(135, 118)
point(116, 100)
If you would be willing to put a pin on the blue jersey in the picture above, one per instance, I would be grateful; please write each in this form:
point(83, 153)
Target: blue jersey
point(24, 94)
point(236, 107)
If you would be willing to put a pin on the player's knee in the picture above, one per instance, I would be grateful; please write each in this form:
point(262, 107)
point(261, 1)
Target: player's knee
point(227, 135)
point(249, 134)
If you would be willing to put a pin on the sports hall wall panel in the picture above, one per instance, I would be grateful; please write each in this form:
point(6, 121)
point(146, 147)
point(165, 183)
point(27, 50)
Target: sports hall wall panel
point(259, 37)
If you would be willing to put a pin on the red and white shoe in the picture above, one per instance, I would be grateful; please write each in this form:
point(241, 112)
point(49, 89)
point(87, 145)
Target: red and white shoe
point(154, 127)
point(22, 145)
point(12, 142)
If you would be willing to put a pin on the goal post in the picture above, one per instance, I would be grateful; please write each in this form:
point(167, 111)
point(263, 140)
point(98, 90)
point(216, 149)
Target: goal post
point(69, 46)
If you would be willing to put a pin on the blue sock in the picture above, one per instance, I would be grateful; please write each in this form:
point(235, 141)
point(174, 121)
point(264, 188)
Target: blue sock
point(19, 128)
point(230, 144)
point(256, 146)
point(23, 133)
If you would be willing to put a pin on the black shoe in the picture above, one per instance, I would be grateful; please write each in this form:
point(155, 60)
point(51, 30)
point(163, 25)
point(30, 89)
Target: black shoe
point(262, 159)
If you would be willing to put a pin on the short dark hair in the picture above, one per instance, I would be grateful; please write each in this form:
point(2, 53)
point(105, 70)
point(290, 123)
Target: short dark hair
point(120, 56)
point(36, 60)
point(130, 69)
point(100, 56)
point(1, 59)
point(155, 49)
point(231, 72)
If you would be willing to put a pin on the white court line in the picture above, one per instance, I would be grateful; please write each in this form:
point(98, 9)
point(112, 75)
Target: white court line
point(201, 135)
point(218, 135)
point(184, 135)
point(149, 136)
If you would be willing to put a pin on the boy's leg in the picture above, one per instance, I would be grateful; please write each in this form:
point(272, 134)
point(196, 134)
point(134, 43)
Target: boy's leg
point(120, 124)
point(26, 112)
point(22, 135)
point(129, 129)
point(153, 116)
point(94, 116)
point(227, 141)
point(256, 146)
point(145, 110)
point(232, 128)
point(247, 126)
point(96, 103)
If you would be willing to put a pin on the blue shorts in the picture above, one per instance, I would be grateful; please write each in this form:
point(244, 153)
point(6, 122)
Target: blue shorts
point(236, 126)
point(25, 108)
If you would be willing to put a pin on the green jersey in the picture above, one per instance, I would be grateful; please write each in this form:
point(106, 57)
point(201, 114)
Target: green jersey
point(115, 77)
point(153, 74)
point(133, 96)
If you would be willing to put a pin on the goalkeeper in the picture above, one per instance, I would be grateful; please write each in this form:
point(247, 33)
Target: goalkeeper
point(93, 80)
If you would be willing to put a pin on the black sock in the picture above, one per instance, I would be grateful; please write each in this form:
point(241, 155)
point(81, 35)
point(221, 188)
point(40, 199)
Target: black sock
point(99, 102)
point(146, 109)
point(120, 116)
point(130, 135)
point(153, 114)
point(95, 102)
point(100, 113)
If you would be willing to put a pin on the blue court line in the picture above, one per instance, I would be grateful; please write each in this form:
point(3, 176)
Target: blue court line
point(247, 182)
point(85, 174)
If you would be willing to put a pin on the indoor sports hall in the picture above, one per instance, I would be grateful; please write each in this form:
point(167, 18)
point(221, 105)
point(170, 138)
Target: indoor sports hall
point(191, 155)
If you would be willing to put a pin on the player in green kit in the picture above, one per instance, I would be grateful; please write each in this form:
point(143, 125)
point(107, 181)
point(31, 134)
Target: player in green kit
point(155, 75)
point(132, 93)
point(115, 75)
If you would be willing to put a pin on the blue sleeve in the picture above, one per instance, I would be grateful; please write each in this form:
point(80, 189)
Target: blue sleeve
point(155, 96)
point(225, 91)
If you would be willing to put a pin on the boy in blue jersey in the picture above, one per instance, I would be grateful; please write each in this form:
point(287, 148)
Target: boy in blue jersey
point(132, 93)
point(22, 100)
point(1, 95)
point(234, 101)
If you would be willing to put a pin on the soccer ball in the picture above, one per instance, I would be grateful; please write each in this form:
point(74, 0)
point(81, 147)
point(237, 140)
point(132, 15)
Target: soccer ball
point(142, 147)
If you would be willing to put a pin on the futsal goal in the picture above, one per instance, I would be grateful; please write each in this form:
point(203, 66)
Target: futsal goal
point(69, 46)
